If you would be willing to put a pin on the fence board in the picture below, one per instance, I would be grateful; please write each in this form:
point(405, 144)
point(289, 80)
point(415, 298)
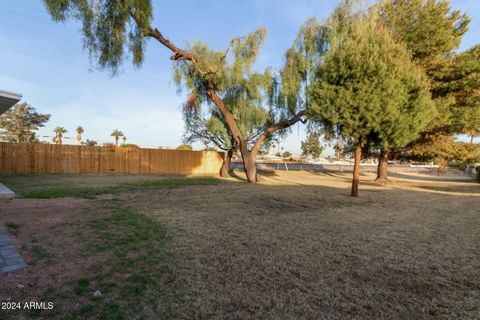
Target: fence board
point(49, 158)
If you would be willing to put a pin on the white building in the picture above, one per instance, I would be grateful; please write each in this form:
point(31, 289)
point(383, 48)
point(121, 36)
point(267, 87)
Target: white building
point(8, 100)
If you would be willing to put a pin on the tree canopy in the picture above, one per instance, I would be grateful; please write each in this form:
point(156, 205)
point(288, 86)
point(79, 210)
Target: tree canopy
point(20, 123)
point(311, 146)
point(367, 84)
point(113, 30)
point(429, 28)
point(245, 93)
point(366, 80)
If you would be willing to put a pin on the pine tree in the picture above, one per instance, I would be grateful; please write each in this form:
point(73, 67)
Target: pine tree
point(432, 31)
point(364, 82)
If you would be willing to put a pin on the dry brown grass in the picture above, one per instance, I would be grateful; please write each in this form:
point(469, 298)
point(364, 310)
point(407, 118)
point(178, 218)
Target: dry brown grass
point(297, 246)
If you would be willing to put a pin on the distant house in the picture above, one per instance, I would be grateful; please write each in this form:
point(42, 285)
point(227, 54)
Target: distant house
point(8, 100)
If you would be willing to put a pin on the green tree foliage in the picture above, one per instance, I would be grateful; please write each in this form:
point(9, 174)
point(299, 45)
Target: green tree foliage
point(286, 154)
point(365, 83)
point(89, 143)
point(253, 99)
point(433, 31)
point(301, 61)
point(185, 147)
point(110, 31)
point(460, 78)
point(20, 123)
point(116, 134)
point(311, 146)
point(442, 148)
point(429, 28)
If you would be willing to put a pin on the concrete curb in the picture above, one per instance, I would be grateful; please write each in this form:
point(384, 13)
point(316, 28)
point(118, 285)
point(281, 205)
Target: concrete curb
point(6, 193)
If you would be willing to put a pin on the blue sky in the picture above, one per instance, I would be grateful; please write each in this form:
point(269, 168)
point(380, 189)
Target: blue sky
point(45, 62)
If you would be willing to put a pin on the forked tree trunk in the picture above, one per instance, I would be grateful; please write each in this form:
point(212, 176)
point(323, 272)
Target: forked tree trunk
point(247, 155)
point(224, 171)
point(356, 169)
point(382, 174)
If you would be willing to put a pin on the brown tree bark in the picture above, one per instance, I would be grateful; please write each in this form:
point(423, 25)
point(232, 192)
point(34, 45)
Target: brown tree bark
point(382, 174)
point(356, 169)
point(250, 166)
point(225, 170)
point(248, 156)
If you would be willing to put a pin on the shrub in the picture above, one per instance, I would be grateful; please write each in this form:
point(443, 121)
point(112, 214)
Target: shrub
point(184, 147)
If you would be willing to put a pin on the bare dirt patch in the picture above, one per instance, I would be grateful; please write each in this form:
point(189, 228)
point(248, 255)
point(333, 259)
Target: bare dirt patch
point(47, 239)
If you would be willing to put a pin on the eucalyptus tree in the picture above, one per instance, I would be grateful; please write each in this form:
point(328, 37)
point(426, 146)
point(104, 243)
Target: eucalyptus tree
point(113, 30)
point(365, 79)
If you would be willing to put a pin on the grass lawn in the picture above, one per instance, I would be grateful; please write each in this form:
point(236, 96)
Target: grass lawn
point(294, 246)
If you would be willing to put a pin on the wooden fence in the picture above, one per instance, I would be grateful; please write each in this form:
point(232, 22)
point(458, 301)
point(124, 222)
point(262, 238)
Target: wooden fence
point(50, 158)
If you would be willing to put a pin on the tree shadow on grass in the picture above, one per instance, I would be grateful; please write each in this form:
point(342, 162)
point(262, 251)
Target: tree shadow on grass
point(473, 188)
point(434, 178)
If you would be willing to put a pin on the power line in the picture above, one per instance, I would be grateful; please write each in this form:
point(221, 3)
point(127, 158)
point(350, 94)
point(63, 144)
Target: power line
point(50, 23)
point(72, 63)
point(36, 32)
point(23, 5)
point(36, 19)
point(62, 39)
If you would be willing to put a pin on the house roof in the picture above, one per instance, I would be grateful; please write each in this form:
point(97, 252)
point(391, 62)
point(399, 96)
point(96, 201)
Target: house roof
point(8, 99)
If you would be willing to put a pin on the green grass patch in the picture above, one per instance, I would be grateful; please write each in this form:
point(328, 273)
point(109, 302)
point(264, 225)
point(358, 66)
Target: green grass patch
point(12, 227)
point(81, 286)
point(39, 253)
point(137, 281)
point(140, 254)
point(58, 186)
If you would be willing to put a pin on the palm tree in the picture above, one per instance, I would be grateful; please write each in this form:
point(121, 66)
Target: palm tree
point(124, 140)
point(116, 134)
point(59, 131)
point(79, 131)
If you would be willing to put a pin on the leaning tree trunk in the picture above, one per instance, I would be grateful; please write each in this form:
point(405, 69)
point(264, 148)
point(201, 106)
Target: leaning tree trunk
point(356, 169)
point(224, 171)
point(249, 163)
point(382, 174)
